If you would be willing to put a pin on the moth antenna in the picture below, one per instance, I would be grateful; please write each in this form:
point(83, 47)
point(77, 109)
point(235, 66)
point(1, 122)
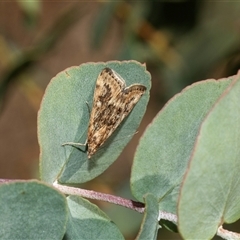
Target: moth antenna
point(89, 111)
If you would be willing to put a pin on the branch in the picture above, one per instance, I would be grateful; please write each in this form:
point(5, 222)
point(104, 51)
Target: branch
point(134, 205)
point(225, 234)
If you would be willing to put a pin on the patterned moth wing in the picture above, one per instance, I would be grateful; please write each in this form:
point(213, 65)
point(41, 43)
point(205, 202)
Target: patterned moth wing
point(112, 102)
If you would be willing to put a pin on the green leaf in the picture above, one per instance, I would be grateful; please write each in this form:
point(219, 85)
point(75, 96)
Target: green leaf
point(149, 226)
point(29, 210)
point(64, 117)
point(87, 221)
point(164, 151)
point(211, 187)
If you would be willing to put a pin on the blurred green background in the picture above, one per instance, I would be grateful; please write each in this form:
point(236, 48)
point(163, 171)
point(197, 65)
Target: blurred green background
point(180, 41)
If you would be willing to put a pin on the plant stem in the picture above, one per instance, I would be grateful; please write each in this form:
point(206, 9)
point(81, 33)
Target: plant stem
point(136, 206)
point(228, 235)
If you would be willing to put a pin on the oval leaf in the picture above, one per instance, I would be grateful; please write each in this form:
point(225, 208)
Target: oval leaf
point(211, 186)
point(29, 211)
point(87, 221)
point(64, 117)
point(164, 151)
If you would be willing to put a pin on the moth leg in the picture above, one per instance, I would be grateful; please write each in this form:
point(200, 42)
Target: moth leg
point(76, 145)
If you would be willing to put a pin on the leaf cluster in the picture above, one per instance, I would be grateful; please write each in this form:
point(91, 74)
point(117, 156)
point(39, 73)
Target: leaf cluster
point(186, 164)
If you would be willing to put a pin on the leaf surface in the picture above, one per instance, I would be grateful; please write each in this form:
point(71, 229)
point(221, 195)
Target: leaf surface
point(87, 221)
point(32, 210)
point(211, 189)
point(164, 150)
point(64, 117)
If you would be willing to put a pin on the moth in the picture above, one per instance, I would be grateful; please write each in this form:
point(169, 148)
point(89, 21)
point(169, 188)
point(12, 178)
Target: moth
point(112, 102)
